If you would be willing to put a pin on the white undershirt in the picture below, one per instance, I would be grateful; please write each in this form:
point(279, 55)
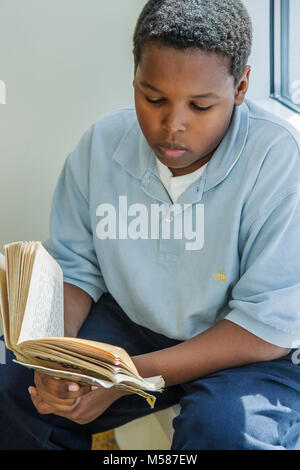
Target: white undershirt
point(176, 185)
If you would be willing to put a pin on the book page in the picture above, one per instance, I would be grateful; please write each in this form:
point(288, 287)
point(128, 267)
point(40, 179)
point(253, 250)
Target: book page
point(44, 355)
point(27, 261)
point(4, 313)
point(12, 258)
point(84, 379)
point(44, 313)
point(88, 347)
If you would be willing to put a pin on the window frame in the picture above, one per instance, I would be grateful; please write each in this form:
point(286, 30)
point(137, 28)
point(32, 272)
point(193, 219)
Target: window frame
point(280, 53)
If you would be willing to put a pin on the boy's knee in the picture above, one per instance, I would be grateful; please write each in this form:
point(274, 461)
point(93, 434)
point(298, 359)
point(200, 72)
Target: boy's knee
point(208, 422)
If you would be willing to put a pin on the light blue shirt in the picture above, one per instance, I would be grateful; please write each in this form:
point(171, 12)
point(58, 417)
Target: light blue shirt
point(243, 264)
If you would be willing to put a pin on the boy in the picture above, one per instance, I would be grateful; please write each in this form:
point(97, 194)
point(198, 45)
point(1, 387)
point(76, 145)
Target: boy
point(202, 286)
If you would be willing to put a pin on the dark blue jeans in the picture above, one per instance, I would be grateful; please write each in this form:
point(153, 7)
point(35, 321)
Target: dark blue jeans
point(256, 406)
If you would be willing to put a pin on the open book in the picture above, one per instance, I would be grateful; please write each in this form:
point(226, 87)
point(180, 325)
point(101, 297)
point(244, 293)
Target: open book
point(32, 315)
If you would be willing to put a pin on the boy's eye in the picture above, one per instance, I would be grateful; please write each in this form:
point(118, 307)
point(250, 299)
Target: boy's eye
point(201, 109)
point(154, 101)
point(198, 108)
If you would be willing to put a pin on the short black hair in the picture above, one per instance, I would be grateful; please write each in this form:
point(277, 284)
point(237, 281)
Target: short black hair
point(220, 26)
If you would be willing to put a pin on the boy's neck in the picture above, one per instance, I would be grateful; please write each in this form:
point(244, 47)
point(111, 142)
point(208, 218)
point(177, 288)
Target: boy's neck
point(194, 167)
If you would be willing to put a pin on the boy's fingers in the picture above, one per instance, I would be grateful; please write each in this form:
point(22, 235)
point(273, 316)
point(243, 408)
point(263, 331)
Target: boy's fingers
point(61, 388)
point(41, 406)
point(54, 400)
point(56, 408)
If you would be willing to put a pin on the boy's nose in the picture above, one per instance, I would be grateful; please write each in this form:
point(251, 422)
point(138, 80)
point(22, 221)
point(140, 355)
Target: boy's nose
point(174, 122)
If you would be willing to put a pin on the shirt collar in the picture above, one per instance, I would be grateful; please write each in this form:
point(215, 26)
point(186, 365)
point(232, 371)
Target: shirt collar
point(230, 148)
point(133, 152)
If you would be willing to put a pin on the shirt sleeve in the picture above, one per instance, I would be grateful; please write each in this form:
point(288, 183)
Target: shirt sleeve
point(266, 299)
point(71, 237)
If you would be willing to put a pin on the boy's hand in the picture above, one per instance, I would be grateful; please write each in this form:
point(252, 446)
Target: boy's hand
point(81, 406)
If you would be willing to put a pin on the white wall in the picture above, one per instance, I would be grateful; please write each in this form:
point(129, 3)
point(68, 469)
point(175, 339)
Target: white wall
point(260, 58)
point(65, 63)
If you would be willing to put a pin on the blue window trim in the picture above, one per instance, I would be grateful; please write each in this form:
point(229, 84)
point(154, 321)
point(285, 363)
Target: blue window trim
point(285, 48)
point(279, 82)
point(272, 48)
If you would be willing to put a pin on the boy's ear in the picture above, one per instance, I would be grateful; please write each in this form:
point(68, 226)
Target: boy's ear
point(242, 87)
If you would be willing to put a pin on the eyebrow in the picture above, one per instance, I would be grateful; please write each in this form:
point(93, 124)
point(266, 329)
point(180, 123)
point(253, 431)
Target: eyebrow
point(205, 95)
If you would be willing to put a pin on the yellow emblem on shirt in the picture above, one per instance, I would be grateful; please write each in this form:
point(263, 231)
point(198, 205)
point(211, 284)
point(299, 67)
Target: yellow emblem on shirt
point(220, 276)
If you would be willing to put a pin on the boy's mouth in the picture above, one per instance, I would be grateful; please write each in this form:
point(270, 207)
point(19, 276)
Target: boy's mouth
point(172, 146)
point(169, 150)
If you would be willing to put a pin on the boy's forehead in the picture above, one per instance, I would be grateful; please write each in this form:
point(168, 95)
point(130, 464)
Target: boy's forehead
point(192, 67)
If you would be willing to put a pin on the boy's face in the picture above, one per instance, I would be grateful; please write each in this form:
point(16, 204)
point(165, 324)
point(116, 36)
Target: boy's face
point(173, 80)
